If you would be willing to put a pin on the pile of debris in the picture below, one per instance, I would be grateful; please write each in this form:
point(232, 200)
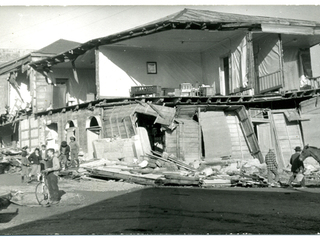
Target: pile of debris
point(164, 169)
point(10, 160)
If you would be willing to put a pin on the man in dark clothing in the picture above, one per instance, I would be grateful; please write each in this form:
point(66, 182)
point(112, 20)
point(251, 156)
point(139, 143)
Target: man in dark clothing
point(64, 154)
point(296, 154)
point(53, 167)
point(34, 160)
point(297, 166)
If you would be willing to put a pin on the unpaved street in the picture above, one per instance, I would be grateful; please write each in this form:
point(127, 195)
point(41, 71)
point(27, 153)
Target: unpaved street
point(165, 210)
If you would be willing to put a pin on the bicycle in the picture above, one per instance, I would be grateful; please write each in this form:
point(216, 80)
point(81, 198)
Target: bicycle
point(42, 191)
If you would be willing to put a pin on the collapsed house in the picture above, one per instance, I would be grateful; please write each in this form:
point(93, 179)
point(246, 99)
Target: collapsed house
point(200, 84)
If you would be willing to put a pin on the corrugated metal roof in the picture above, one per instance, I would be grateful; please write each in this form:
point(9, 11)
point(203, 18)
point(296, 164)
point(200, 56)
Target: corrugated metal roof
point(211, 16)
point(185, 19)
point(58, 46)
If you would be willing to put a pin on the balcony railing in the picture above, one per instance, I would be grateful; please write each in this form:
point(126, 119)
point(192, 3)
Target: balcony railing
point(269, 82)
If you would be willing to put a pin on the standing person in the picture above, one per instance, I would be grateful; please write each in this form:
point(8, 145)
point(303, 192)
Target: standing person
point(52, 170)
point(64, 154)
point(24, 166)
point(43, 153)
point(296, 154)
point(297, 166)
point(272, 167)
point(74, 150)
point(34, 160)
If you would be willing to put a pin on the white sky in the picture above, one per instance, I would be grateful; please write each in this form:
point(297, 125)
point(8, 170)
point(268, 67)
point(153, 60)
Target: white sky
point(36, 26)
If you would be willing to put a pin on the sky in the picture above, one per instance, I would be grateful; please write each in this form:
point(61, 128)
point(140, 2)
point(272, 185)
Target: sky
point(36, 25)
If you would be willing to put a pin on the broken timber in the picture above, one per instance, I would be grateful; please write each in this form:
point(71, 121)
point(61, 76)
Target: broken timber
point(146, 179)
point(169, 159)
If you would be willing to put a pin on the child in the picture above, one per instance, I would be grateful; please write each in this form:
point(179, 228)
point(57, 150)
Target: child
point(24, 166)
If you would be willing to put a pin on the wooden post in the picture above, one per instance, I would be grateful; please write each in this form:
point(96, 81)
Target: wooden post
point(281, 60)
point(199, 134)
point(97, 72)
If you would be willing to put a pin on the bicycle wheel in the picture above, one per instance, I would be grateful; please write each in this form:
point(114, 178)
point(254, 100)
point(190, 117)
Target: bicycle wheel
point(42, 193)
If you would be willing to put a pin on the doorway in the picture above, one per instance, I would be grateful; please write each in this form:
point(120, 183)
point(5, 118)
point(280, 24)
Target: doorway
point(71, 130)
point(93, 133)
point(52, 136)
point(59, 93)
point(224, 75)
point(263, 132)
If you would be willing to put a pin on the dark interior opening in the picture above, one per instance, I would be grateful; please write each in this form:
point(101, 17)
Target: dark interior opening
point(156, 136)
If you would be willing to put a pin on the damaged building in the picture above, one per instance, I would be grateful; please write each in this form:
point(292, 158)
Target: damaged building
point(196, 84)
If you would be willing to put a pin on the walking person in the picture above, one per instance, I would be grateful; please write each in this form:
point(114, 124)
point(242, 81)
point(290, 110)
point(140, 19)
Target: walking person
point(25, 165)
point(297, 168)
point(74, 150)
point(296, 154)
point(272, 167)
point(64, 154)
point(52, 170)
point(34, 160)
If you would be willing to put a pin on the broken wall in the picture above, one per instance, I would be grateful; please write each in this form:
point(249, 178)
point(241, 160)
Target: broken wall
point(62, 121)
point(120, 121)
point(19, 92)
point(239, 146)
point(287, 135)
point(184, 141)
point(4, 90)
point(77, 89)
point(219, 133)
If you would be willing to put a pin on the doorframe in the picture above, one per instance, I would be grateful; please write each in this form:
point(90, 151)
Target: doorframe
point(222, 75)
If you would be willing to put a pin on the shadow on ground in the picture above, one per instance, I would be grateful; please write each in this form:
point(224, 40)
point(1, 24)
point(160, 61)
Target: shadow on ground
point(180, 211)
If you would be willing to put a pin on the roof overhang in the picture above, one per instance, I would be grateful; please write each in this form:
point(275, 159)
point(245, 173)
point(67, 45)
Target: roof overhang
point(16, 65)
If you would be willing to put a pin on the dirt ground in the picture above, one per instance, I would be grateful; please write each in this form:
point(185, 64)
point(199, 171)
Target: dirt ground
point(119, 208)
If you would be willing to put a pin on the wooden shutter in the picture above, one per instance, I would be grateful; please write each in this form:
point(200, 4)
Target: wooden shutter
point(269, 62)
point(43, 94)
point(29, 133)
point(216, 134)
point(185, 141)
point(288, 135)
point(249, 134)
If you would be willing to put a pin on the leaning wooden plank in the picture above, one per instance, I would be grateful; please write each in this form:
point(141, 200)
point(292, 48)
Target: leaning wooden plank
point(170, 161)
point(179, 163)
point(180, 177)
point(141, 170)
point(179, 182)
point(216, 183)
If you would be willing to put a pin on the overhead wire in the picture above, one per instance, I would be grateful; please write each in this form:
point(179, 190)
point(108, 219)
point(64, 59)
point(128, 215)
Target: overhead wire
point(96, 20)
point(40, 23)
point(70, 19)
point(104, 18)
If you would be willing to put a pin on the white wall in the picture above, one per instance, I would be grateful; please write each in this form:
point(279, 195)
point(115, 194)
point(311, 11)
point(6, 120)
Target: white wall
point(211, 59)
point(119, 69)
point(78, 90)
